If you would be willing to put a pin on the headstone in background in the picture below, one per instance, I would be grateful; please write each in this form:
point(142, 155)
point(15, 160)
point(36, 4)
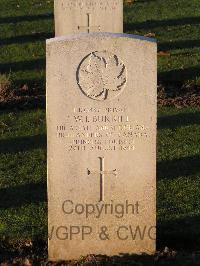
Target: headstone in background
point(76, 16)
point(101, 119)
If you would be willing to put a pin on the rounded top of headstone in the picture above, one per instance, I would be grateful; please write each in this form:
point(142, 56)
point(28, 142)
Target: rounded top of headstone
point(100, 35)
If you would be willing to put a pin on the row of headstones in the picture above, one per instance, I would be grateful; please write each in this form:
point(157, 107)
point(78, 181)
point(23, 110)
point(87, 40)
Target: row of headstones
point(101, 127)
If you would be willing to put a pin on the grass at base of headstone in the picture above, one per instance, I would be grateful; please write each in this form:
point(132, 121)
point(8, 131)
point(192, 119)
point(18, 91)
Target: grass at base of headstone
point(178, 177)
point(22, 174)
point(23, 207)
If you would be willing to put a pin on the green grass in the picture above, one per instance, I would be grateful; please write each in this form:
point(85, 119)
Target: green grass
point(178, 173)
point(23, 174)
point(176, 27)
point(24, 26)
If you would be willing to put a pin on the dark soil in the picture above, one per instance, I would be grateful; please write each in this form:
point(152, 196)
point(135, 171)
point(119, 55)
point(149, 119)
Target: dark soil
point(35, 253)
point(168, 95)
point(186, 95)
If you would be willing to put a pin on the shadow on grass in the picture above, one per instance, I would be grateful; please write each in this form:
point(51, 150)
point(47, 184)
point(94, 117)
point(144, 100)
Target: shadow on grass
point(146, 1)
point(23, 65)
point(37, 64)
point(178, 45)
point(179, 120)
point(35, 37)
point(18, 196)
point(179, 167)
point(179, 75)
point(5, 20)
point(38, 83)
point(150, 24)
point(180, 233)
point(22, 144)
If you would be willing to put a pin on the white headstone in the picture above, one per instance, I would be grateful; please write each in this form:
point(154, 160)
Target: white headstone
point(101, 120)
point(76, 16)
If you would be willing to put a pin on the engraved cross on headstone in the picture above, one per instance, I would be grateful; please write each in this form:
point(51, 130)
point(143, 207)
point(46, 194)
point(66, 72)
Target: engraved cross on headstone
point(89, 27)
point(102, 174)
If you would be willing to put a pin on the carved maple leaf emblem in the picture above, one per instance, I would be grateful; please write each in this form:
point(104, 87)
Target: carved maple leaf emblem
point(102, 75)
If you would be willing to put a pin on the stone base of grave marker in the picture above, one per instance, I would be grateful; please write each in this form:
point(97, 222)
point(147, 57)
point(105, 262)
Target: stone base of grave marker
point(101, 120)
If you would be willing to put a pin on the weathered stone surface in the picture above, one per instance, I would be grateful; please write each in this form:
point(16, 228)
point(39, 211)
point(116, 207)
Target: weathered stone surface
point(76, 16)
point(101, 120)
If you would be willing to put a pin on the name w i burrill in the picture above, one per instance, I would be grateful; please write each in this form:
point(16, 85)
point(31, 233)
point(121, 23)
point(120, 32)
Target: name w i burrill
point(101, 119)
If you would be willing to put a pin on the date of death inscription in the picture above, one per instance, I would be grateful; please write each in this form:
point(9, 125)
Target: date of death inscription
point(108, 129)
